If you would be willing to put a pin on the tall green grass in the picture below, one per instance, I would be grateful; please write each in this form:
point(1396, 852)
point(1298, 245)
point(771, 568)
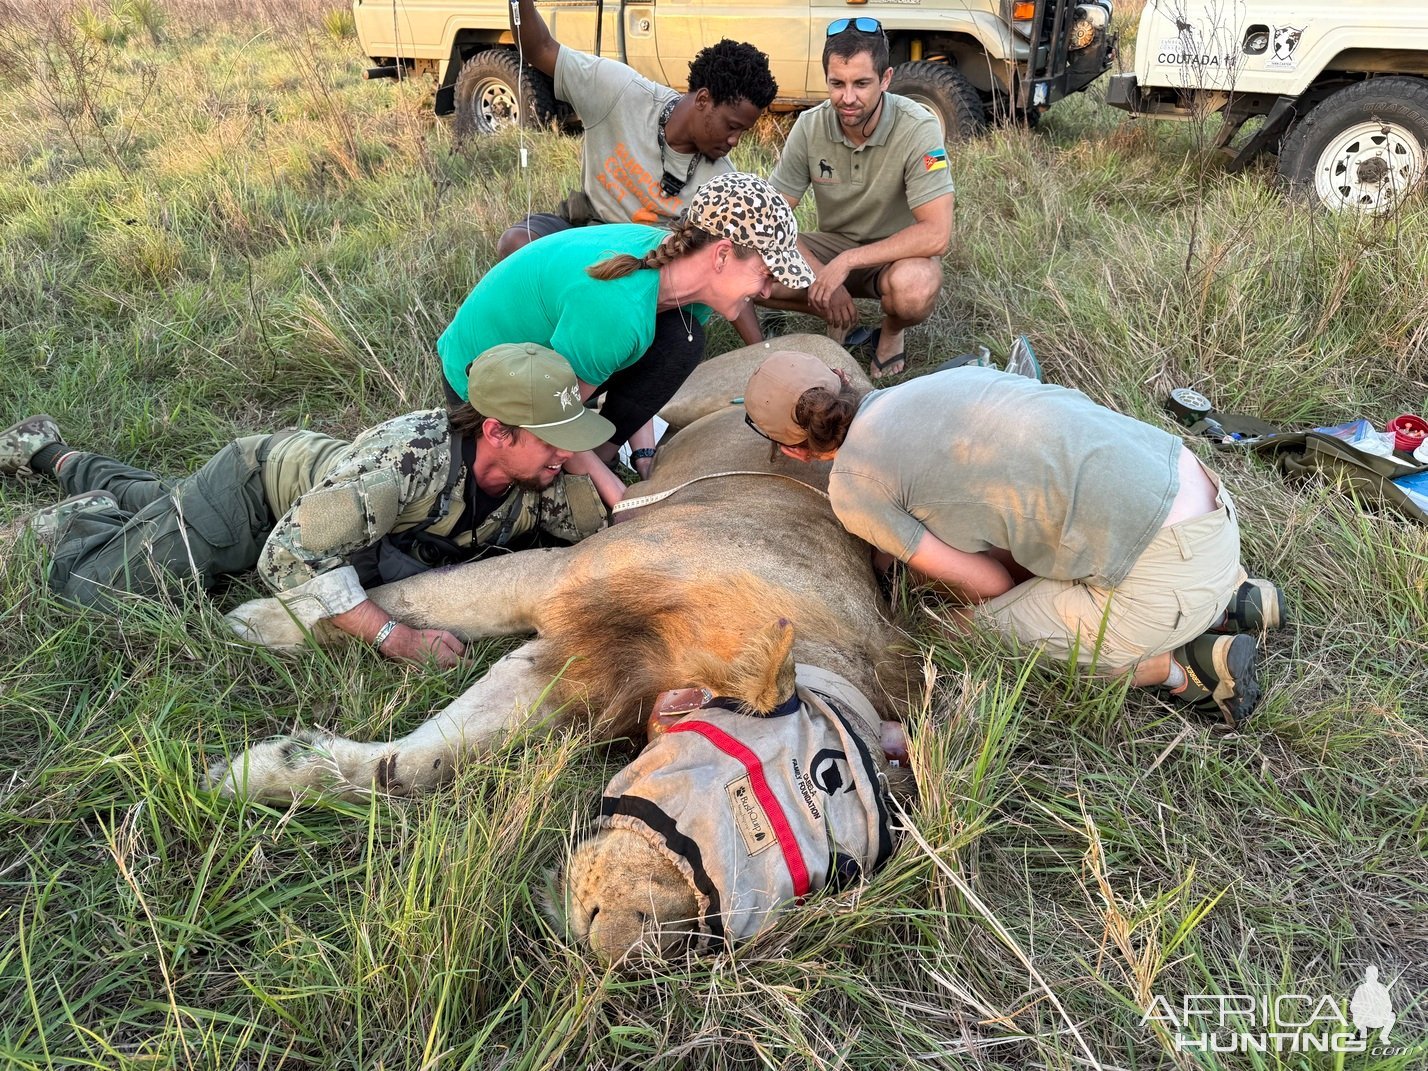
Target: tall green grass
point(215, 226)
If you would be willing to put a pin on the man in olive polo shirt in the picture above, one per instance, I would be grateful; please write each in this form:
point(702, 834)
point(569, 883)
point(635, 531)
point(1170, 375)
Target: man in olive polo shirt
point(879, 174)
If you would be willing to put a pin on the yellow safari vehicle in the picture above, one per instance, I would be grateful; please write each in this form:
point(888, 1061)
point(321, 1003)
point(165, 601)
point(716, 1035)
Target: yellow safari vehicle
point(966, 60)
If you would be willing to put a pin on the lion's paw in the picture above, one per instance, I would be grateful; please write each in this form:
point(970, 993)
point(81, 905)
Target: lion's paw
point(280, 769)
point(267, 623)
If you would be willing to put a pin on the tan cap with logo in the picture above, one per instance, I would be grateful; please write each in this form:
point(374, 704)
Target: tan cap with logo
point(531, 387)
point(774, 390)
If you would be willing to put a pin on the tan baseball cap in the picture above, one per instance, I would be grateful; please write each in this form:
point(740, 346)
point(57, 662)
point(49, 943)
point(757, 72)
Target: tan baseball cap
point(531, 387)
point(774, 390)
point(749, 212)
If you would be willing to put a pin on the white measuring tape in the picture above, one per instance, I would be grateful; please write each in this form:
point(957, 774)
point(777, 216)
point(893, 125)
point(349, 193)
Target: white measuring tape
point(645, 500)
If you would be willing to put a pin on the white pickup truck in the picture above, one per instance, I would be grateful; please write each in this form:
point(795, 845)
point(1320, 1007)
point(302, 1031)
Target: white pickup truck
point(1341, 85)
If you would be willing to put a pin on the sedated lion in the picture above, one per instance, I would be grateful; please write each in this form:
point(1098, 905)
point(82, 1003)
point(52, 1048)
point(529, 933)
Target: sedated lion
point(724, 585)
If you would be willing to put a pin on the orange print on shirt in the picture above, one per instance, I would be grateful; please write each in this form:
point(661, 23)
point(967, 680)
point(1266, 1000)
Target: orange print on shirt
point(624, 176)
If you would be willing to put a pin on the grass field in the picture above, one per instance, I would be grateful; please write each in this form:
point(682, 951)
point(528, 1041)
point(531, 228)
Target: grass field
point(209, 224)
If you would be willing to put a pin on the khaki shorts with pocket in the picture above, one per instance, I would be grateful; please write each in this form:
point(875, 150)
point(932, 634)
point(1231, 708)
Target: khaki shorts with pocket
point(1177, 589)
point(861, 282)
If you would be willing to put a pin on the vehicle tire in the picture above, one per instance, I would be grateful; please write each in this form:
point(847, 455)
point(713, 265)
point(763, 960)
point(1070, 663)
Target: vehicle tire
point(493, 90)
point(1361, 149)
point(945, 92)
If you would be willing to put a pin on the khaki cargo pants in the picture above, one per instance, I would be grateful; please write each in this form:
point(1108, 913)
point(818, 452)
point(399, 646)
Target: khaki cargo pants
point(163, 533)
point(1177, 588)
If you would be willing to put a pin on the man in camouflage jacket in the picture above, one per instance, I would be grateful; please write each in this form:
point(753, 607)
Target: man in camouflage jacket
point(320, 518)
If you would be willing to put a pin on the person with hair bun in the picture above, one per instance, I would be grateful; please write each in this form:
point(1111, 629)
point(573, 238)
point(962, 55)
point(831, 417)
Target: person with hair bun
point(625, 304)
point(1064, 525)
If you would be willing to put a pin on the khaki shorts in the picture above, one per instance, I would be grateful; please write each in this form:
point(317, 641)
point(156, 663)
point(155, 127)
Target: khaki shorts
point(1174, 592)
point(861, 282)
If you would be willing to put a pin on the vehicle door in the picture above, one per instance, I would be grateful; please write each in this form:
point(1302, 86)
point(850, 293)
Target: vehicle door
point(777, 27)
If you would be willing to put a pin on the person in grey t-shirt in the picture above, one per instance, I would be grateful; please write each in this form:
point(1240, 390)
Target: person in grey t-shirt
point(647, 146)
point(1066, 526)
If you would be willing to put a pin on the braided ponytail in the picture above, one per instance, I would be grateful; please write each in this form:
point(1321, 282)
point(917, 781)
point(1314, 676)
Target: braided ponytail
point(683, 238)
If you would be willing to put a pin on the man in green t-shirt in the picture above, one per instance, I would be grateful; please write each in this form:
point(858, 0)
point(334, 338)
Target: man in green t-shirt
point(878, 170)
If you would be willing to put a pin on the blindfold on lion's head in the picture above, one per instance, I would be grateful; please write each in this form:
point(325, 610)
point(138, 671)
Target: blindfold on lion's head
point(729, 816)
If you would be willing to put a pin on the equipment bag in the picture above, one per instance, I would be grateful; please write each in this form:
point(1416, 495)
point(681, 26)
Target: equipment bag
point(1300, 455)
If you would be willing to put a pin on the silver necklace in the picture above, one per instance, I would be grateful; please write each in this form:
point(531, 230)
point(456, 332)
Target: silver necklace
point(679, 308)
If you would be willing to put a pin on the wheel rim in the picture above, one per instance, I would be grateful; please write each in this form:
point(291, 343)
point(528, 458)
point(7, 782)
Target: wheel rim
point(1368, 168)
point(932, 106)
point(494, 103)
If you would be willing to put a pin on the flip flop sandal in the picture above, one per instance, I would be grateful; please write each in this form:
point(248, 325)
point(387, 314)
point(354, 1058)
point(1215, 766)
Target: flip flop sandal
point(862, 335)
point(878, 369)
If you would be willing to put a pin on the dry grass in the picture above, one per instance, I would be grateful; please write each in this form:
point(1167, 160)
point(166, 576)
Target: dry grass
point(220, 228)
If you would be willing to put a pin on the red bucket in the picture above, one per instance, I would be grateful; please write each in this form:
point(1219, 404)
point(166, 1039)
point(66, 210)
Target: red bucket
point(1408, 432)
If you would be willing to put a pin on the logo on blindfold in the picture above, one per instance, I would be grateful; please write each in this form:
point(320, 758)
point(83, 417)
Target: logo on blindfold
point(830, 772)
point(749, 817)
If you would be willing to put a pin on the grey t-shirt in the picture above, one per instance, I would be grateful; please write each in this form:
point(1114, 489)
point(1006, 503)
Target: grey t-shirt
point(865, 192)
point(621, 165)
point(983, 459)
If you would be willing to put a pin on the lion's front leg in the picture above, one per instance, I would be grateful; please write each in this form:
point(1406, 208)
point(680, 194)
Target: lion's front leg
point(497, 596)
point(509, 698)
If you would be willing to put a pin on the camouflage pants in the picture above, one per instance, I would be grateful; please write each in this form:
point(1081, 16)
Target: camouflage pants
point(213, 524)
point(209, 525)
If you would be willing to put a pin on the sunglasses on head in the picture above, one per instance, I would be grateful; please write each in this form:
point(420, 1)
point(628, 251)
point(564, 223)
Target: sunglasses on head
point(862, 24)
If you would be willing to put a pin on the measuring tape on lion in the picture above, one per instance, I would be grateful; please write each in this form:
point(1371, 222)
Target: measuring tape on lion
point(646, 500)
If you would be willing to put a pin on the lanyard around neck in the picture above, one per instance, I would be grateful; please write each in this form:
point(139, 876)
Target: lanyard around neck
point(664, 115)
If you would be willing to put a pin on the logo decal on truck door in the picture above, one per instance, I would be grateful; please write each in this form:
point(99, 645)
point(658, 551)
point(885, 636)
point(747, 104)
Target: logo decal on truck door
point(1283, 41)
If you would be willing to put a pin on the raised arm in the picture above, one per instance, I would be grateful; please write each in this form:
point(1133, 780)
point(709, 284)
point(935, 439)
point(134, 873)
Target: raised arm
point(538, 47)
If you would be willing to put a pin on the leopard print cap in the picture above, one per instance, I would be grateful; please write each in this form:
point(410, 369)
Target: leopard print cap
point(751, 213)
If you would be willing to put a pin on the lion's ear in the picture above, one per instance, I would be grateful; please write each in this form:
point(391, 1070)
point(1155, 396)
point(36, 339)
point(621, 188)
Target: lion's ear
point(761, 675)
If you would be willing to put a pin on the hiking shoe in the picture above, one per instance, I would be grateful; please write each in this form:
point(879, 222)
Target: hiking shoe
point(20, 442)
point(1021, 361)
point(1258, 606)
point(1221, 676)
point(47, 523)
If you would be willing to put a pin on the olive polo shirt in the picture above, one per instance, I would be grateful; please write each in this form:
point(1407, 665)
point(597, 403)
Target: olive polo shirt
point(865, 192)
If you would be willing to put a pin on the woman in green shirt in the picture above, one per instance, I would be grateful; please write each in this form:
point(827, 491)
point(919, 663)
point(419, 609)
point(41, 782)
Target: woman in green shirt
point(625, 304)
